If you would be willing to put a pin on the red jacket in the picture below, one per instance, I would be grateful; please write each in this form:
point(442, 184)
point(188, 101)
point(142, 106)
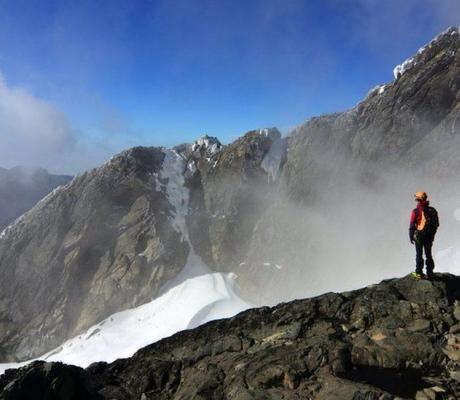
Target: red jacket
point(423, 218)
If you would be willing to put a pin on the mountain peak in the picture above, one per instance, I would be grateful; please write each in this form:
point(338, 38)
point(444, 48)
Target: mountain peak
point(445, 39)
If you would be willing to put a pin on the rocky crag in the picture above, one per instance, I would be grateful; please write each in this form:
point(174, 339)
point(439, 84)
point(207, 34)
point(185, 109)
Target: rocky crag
point(111, 238)
point(21, 188)
point(399, 339)
point(264, 207)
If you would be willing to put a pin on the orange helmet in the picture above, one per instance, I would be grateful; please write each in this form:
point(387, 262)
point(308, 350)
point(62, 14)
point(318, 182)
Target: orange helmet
point(420, 196)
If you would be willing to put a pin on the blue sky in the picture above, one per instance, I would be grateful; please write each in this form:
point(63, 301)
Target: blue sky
point(106, 75)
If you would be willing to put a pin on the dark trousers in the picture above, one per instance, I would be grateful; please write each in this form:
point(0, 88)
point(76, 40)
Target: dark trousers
point(423, 243)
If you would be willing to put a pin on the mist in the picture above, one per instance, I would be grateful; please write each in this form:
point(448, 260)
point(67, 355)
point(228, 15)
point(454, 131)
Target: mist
point(348, 228)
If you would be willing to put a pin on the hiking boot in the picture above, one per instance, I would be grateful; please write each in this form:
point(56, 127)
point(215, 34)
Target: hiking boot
point(417, 276)
point(430, 276)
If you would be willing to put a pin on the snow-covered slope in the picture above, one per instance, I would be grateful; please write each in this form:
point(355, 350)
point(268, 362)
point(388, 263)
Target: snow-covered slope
point(193, 297)
point(198, 299)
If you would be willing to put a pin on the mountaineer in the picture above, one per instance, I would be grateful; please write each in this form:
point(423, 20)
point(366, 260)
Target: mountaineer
point(423, 225)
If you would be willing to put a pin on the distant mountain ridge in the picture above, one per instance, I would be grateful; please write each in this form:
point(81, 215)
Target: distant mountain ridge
point(22, 187)
point(286, 215)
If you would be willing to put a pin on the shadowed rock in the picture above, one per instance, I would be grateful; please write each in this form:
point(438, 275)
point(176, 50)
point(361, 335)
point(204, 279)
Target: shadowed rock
point(354, 345)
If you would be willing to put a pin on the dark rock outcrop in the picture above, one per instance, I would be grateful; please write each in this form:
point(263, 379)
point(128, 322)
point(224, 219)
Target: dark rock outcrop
point(396, 339)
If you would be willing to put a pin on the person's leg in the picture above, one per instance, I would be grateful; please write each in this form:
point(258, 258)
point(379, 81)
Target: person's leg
point(428, 244)
point(418, 257)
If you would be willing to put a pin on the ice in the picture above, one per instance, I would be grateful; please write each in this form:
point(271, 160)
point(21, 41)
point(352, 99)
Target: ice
point(172, 170)
point(272, 160)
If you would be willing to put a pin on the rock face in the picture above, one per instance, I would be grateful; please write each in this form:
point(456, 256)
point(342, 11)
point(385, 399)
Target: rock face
point(21, 188)
point(287, 215)
point(401, 123)
point(237, 189)
point(114, 236)
point(397, 339)
point(102, 243)
point(348, 178)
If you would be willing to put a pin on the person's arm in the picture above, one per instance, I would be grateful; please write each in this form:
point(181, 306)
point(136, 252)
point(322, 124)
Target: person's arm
point(413, 217)
point(436, 221)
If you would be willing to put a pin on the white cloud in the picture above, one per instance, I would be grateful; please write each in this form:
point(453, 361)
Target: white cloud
point(32, 131)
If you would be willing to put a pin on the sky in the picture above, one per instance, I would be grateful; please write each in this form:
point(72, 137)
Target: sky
point(82, 80)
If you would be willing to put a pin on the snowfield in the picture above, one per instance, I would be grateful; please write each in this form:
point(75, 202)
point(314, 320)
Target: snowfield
point(193, 302)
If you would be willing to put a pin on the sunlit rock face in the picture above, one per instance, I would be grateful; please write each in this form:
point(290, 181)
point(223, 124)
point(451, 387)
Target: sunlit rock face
point(114, 236)
point(100, 244)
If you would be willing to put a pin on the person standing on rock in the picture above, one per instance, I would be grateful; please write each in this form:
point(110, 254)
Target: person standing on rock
point(423, 225)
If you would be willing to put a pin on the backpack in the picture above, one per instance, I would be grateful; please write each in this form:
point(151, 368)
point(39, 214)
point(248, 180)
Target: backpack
point(432, 220)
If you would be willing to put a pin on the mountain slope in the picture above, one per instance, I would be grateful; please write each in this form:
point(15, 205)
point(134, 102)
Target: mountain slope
point(348, 180)
point(110, 240)
point(21, 188)
point(396, 339)
point(196, 296)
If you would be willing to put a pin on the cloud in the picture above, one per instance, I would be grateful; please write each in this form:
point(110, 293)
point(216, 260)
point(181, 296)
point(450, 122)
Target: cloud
point(32, 131)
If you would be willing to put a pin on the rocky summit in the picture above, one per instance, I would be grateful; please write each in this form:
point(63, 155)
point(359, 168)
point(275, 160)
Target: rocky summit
point(399, 339)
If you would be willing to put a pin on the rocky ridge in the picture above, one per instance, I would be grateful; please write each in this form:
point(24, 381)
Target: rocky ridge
point(21, 188)
point(398, 339)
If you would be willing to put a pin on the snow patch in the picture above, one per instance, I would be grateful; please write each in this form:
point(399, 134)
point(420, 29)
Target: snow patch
point(264, 131)
point(379, 89)
point(411, 62)
point(210, 144)
point(178, 196)
point(194, 302)
point(5, 232)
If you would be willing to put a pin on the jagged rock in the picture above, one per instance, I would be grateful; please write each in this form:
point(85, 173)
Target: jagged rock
point(101, 244)
point(53, 381)
point(295, 350)
point(236, 188)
